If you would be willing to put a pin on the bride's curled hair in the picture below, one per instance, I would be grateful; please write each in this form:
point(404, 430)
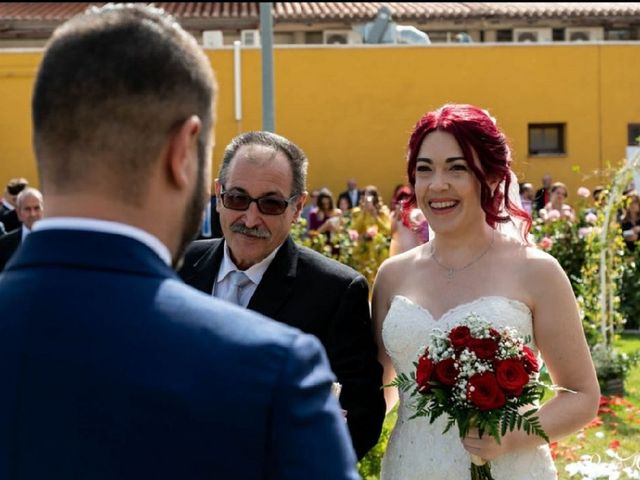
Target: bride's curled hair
point(475, 131)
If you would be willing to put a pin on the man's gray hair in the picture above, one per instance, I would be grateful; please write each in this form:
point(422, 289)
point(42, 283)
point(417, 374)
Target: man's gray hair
point(294, 154)
point(28, 192)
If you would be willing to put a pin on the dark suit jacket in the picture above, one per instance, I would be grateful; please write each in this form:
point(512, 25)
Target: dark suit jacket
point(9, 218)
point(345, 194)
point(320, 296)
point(9, 243)
point(113, 368)
point(538, 201)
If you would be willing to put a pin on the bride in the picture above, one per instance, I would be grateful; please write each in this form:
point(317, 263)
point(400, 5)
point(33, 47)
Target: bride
point(479, 261)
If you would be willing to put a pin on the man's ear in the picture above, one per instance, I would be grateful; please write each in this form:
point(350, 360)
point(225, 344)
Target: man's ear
point(218, 189)
point(182, 151)
point(300, 204)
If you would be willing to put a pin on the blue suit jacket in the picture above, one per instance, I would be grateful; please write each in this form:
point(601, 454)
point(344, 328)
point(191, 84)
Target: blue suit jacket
point(112, 368)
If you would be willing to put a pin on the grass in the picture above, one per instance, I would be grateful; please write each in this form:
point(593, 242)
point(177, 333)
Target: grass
point(617, 428)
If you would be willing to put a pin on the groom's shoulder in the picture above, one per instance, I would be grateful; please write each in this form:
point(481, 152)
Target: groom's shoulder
point(222, 322)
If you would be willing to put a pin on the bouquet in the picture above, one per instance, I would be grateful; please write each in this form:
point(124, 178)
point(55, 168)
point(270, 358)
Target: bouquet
point(480, 378)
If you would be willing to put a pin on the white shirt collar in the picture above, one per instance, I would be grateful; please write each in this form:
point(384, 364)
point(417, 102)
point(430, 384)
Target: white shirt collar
point(105, 226)
point(255, 272)
point(25, 231)
point(7, 205)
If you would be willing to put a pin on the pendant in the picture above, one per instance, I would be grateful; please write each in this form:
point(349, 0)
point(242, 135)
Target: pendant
point(450, 273)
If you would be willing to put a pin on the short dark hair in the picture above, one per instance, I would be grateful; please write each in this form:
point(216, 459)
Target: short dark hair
point(293, 153)
point(114, 82)
point(16, 185)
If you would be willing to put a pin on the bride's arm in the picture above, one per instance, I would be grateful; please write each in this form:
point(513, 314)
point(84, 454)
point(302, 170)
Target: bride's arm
point(560, 338)
point(380, 307)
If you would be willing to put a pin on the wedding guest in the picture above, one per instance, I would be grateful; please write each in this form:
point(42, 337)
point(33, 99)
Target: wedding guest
point(261, 190)
point(527, 198)
point(325, 218)
point(113, 368)
point(351, 195)
point(630, 220)
point(409, 226)
point(29, 207)
point(8, 214)
point(557, 208)
point(543, 194)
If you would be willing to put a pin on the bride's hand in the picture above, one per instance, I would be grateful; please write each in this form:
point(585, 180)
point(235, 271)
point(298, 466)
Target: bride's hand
point(487, 447)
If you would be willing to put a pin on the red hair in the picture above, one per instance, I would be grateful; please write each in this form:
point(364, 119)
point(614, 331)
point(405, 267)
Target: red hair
point(475, 131)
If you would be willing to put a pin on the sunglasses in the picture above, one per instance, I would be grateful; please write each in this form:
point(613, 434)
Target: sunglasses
point(267, 204)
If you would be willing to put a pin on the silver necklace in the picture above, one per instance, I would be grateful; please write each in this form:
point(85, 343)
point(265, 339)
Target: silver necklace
point(450, 271)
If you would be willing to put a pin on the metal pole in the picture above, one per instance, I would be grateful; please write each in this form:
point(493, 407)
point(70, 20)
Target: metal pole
point(266, 42)
point(237, 80)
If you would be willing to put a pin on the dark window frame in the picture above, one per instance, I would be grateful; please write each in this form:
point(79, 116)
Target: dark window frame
point(542, 150)
point(633, 132)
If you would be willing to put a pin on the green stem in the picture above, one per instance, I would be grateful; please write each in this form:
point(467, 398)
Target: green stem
point(481, 472)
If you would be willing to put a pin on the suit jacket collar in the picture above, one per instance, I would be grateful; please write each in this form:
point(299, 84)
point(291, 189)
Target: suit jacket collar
point(275, 287)
point(89, 250)
point(205, 269)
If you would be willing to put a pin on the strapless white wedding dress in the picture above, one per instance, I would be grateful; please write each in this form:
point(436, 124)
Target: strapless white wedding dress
point(419, 450)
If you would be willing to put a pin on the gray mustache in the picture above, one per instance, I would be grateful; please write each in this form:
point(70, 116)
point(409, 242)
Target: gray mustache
point(253, 232)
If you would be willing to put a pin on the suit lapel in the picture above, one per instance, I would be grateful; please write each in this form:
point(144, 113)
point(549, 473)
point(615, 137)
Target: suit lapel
point(205, 270)
point(277, 283)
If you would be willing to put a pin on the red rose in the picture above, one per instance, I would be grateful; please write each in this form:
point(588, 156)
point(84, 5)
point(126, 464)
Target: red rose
point(494, 333)
point(529, 360)
point(423, 373)
point(512, 376)
point(484, 392)
point(459, 337)
point(484, 348)
point(446, 372)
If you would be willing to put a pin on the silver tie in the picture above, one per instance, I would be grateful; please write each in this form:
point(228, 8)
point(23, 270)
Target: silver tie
point(238, 280)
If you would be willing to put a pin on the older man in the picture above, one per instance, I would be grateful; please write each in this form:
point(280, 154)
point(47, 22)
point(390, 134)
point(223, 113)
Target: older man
point(261, 192)
point(29, 207)
point(8, 215)
point(111, 366)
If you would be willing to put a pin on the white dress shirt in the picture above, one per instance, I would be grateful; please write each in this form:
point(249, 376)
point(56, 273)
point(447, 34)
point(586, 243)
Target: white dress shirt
point(255, 273)
point(105, 226)
point(25, 232)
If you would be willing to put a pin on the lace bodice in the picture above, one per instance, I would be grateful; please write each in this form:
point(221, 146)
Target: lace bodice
point(419, 450)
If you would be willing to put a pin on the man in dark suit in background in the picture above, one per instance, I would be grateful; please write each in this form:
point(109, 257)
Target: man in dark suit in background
point(111, 367)
point(543, 195)
point(30, 208)
point(261, 192)
point(351, 194)
point(8, 215)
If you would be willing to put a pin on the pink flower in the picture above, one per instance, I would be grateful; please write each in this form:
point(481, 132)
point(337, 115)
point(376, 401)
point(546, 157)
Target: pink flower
point(584, 231)
point(553, 215)
point(353, 235)
point(372, 231)
point(546, 243)
point(591, 218)
point(584, 192)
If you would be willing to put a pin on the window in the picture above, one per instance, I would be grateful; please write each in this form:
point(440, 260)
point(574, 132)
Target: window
point(633, 134)
point(557, 34)
point(504, 35)
point(546, 139)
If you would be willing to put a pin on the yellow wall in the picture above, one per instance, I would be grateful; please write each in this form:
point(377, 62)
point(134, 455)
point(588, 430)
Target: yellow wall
point(352, 109)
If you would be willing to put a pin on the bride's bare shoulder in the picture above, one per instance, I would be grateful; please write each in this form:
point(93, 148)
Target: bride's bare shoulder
point(531, 260)
point(400, 264)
